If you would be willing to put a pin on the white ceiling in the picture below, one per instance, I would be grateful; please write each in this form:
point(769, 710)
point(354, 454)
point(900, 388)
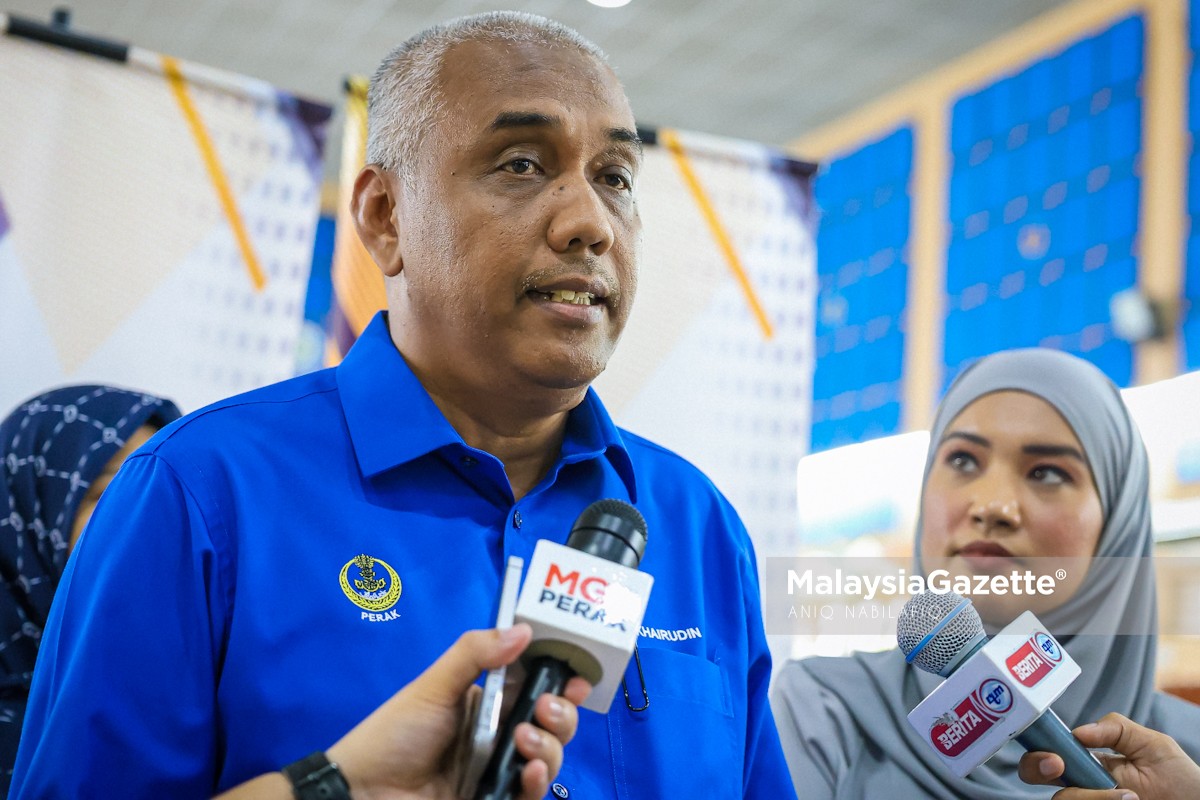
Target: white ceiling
point(766, 70)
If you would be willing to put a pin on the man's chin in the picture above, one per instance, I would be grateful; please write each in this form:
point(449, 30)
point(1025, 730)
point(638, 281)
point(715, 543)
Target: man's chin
point(568, 368)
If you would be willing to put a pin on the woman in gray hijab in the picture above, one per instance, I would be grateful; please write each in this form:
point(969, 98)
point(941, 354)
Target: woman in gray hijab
point(843, 721)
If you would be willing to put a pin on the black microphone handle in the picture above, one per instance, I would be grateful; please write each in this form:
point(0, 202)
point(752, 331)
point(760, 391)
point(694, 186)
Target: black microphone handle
point(501, 779)
point(1049, 734)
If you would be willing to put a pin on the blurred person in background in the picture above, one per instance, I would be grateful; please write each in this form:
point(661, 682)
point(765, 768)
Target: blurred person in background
point(1032, 455)
point(58, 451)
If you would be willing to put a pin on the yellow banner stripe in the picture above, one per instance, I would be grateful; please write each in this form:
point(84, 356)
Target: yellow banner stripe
point(215, 173)
point(673, 145)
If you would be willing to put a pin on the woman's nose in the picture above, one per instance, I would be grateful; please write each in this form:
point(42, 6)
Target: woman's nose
point(997, 512)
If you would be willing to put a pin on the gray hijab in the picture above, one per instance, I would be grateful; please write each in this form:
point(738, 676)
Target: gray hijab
point(869, 695)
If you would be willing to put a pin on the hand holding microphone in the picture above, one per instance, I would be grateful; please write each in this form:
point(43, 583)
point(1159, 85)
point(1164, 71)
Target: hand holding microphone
point(404, 749)
point(995, 690)
point(1149, 763)
point(585, 602)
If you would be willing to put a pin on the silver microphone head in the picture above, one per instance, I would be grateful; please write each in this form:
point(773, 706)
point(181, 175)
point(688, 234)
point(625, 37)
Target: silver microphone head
point(936, 631)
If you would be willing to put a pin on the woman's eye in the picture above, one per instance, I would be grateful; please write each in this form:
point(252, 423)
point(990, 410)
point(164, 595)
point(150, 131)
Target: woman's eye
point(962, 462)
point(1049, 475)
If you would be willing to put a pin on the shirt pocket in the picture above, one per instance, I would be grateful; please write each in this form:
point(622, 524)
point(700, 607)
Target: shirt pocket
point(685, 744)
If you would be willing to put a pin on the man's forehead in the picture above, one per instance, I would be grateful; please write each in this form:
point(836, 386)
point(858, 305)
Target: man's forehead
point(528, 70)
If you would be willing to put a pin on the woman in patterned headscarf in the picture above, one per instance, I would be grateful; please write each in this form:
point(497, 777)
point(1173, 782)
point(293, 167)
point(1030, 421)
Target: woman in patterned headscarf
point(57, 453)
point(1032, 454)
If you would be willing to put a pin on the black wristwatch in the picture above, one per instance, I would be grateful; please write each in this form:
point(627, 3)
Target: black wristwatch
point(317, 778)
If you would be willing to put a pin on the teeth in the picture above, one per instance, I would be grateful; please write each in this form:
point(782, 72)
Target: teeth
point(569, 296)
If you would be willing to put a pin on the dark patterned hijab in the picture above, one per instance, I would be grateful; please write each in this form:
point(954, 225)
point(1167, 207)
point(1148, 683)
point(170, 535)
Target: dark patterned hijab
point(51, 448)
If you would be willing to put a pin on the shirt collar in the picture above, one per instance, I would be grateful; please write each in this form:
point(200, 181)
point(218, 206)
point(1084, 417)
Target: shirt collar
point(393, 420)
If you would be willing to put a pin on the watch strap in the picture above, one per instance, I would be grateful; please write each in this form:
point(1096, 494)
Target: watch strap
point(317, 778)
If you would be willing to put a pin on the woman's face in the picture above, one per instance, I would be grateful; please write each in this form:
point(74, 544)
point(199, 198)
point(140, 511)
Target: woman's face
point(1010, 489)
point(97, 487)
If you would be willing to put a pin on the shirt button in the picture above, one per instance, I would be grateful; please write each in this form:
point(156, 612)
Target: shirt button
point(560, 791)
point(517, 519)
point(469, 461)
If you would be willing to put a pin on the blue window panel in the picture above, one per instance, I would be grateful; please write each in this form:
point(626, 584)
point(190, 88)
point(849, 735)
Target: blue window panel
point(1194, 24)
point(891, 353)
point(1039, 96)
point(1071, 317)
point(1121, 209)
point(902, 153)
point(1115, 359)
point(1080, 71)
point(1079, 148)
point(1191, 342)
point(1018, 108)
point(990, 330)
point(1193, 96)
point(1194, 185)
point(997, 110)
point(893, 227)
point(1122, 130)
point(961, 252)
point(960, 195)
point(1029, 304)
point(1099, 208)
point(1072, 229)
point(1123, 273)
point(962, 124)
point(875, 179)
point(1127, 40)
point(1192, 279)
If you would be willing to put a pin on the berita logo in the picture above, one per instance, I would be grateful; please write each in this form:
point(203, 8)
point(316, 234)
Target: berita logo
point(372, 585)
point(1034, 660)
point(956, 730)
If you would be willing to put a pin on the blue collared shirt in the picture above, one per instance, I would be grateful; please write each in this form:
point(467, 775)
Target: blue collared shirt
point(270, 569)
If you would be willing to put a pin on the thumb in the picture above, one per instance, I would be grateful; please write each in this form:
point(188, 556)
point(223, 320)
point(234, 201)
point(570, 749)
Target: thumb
point(475, 651)
point(1116, 732)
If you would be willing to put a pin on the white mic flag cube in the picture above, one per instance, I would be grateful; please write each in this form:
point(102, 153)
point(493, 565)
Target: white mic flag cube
point(586, 611)
point(995, 695)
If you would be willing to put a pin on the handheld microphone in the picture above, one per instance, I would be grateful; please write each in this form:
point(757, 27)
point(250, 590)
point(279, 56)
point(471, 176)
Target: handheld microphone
point(994, 691)
point(585, 603)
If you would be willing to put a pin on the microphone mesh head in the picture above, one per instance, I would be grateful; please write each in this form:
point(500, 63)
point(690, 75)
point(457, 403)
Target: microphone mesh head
point(924, 612)
point(610, 529)
point(629, 515)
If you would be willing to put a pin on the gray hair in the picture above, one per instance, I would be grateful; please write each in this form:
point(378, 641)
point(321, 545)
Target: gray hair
point(403, 102)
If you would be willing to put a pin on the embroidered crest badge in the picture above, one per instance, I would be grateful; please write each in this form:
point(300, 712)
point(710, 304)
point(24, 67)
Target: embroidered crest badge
point(369, 583)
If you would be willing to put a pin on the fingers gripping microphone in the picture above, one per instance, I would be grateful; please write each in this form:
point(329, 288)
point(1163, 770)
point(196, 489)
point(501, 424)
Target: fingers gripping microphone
point(994, 691)
point(585, 603)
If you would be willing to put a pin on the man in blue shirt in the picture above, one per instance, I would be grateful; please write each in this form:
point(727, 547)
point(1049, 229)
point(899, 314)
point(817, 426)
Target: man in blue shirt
point(271, 569)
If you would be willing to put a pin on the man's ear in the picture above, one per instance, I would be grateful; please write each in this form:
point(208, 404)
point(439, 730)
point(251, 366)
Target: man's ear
point(373, 205)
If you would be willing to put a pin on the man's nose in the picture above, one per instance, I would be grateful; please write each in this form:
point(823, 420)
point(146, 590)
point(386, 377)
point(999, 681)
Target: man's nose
point(580, 220)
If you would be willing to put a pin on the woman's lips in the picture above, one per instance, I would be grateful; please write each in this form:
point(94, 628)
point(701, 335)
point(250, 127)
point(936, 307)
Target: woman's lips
point(988, 557)
point(984, 548)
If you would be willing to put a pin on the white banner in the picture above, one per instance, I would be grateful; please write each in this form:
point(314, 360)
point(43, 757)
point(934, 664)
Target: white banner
point(156, 224)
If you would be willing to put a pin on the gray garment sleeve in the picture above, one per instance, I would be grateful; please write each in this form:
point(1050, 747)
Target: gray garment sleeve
point(820, 739)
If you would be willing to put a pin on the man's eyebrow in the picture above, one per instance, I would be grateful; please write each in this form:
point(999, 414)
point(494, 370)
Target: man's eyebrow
point(524, 119)
point(626, 136)
point(534, 119)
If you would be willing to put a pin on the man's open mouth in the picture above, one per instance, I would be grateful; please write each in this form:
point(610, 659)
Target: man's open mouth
point(566, 296)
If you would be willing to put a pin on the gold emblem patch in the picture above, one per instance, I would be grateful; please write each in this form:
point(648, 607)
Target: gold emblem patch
point(366, 588)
